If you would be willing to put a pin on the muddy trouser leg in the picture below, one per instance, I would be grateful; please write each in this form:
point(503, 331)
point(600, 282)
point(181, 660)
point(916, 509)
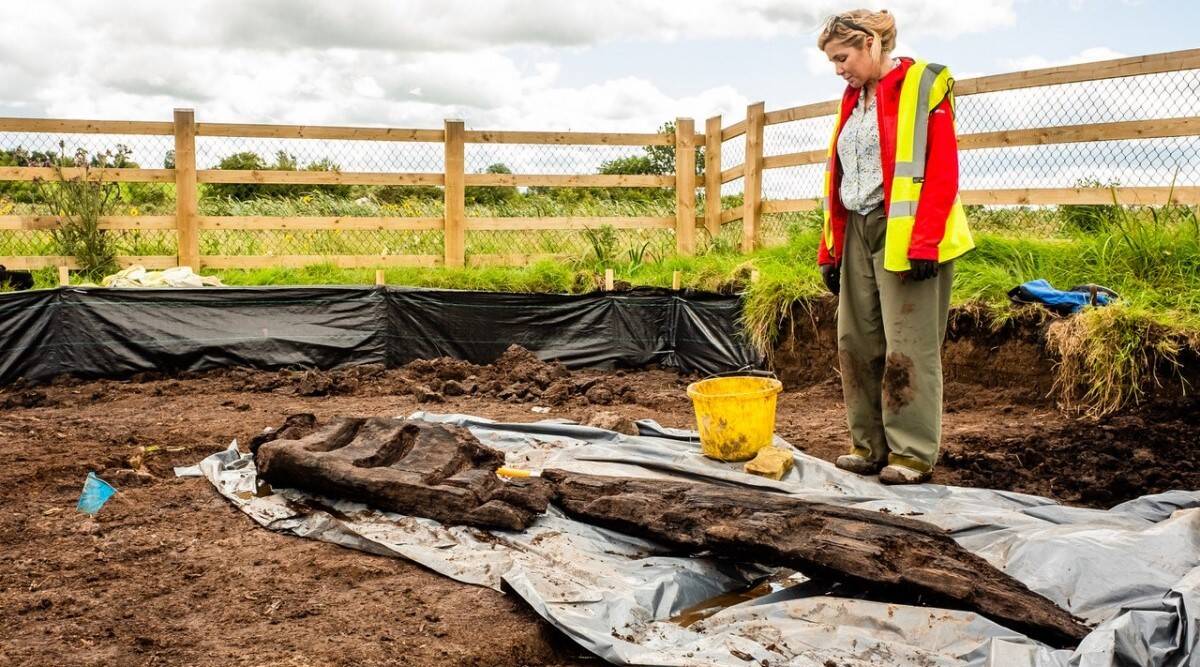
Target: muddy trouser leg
point(861, 341)
point(914, 324)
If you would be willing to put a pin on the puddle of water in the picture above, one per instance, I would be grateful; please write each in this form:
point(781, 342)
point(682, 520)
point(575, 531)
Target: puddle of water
point(711, 606)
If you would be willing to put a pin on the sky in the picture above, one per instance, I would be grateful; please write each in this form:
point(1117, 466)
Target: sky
point(611, 65)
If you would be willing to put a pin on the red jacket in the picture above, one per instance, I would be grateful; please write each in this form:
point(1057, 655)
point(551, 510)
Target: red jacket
point(941, 170)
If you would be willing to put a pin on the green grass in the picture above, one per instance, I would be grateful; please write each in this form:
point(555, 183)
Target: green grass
point(1108, 357)
point(1150, 256)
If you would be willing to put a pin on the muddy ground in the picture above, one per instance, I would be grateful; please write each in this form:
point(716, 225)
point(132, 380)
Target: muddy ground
point(176, 576)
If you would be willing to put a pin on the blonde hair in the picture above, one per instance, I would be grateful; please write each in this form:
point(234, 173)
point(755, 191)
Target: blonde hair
point(853, 28)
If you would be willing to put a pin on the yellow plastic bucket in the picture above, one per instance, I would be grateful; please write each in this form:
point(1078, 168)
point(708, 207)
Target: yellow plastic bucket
point(736, 415)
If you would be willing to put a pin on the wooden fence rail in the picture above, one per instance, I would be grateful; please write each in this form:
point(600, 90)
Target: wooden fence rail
point(455, 224)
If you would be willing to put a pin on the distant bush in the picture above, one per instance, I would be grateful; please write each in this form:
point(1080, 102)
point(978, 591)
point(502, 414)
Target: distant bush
point(120, 156)
point(250, 161)
point(1090, 217)
point(488, 195)
point(80, 202)
point(394, 194)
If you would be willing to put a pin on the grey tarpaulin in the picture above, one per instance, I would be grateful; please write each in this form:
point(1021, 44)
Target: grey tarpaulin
point(1131, 570)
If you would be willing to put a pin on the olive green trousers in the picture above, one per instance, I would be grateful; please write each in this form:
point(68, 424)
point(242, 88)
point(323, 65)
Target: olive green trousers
point(890, 333)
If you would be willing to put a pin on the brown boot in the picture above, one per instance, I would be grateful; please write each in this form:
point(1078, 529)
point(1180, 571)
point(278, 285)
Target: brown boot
point(895, 474)
point(857, 464)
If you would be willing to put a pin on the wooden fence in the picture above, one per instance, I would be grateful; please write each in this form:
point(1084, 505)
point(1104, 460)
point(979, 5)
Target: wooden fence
point(188, 223)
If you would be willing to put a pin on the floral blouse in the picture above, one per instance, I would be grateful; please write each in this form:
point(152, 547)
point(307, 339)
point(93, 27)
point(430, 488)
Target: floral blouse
point(858, 152)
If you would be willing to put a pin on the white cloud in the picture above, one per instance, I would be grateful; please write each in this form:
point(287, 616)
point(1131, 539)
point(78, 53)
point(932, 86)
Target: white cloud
point(1093, 54)
point(387, 62)
point(817, 63)
point(367, 86)
point(466, 25)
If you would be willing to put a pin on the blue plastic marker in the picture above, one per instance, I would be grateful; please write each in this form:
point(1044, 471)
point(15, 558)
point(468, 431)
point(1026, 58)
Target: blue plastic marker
point(95, 493)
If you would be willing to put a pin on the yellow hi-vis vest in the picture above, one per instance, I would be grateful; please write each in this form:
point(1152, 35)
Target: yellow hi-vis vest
point(925, 86)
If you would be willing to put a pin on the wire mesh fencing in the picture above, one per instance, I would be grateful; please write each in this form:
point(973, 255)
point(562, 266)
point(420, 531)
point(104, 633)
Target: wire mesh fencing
point(376, 198)
point(67, 150)
point(320, 200)
point(1046, 163)
point(602, 235)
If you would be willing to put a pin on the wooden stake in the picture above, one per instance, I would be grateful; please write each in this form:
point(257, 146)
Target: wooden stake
point(608, 280)
point(712, 175)
point(676, 280)
point(455, 195)
point(752, 176)
point(379, 277)
point(754, 275)
point(64, 276)
point(685, 187)
point(186, 200)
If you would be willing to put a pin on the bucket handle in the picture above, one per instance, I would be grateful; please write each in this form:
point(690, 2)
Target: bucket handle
point(744, 370)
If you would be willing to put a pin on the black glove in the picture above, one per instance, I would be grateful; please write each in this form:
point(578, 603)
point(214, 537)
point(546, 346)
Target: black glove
point(923, 269)
point(832, 278)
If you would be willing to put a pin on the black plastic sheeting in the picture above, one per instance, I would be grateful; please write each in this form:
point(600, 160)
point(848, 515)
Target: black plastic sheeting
point(116, 332)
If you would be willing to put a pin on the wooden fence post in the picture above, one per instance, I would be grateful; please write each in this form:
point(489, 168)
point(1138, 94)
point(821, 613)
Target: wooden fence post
point(712, 176)
point(752, 181)
point(186, 202)
point(455, 195)
point(685, 187)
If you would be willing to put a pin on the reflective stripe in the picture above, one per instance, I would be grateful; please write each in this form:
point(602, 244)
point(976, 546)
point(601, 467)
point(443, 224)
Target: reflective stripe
point(910, 169)
point(902, 209)
point(921, 125)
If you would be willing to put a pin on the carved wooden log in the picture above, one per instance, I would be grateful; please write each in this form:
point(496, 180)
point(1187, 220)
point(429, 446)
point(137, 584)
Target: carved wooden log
point(428, 470)
point(444, 473)
point(892, 554)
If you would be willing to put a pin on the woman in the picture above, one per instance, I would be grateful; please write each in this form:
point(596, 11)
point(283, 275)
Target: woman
point(893, 227)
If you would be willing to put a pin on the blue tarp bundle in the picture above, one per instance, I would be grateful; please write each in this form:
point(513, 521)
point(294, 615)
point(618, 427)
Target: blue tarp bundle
point(1064, 302)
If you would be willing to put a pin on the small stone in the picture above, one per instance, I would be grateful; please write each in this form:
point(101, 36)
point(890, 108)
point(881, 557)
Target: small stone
point(451, 371)
point(314, 384)
point(557, 394)
point(426, 395)
point(599, 395)
point(584, 384)
point(771, 462)
point(371, 370)
point(611, 421)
